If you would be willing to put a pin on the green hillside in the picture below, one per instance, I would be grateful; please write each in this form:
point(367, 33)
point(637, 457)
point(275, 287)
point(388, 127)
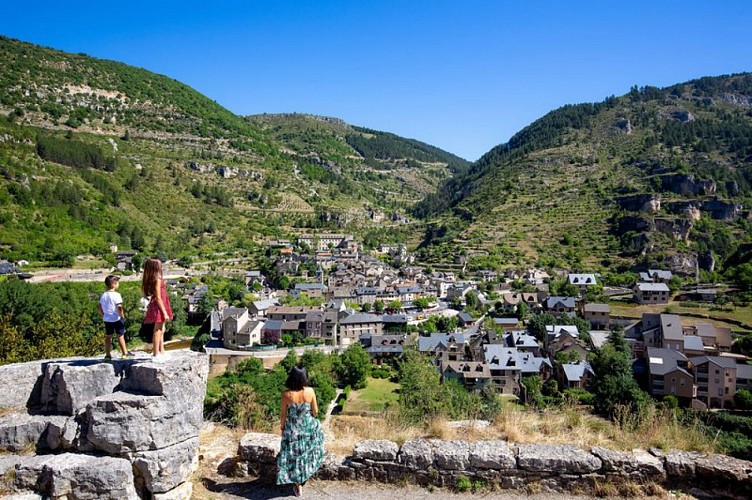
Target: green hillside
point(95, 153)
point(657, 176)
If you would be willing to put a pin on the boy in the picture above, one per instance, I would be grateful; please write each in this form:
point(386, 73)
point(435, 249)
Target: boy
point(111, 308)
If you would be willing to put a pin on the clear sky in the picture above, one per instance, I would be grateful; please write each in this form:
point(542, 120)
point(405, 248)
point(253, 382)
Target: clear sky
point(463, 75)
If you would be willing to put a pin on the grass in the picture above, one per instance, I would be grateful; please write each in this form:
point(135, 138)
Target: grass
point(567, 425)
point(743, 314)
point(377, 396)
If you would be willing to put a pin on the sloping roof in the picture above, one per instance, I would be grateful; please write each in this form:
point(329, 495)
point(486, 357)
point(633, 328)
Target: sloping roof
point(520, 340)
point(500, 357)
point(662, 361)
point(671, 327)
point(576, 371)
point(428, 344)
point(567, 302)
point(262, 305)
point(531, 364)
point(599, 338)
point(465, 317)
point(467, 369)
point(719, 360)
point(233, 312)
point(652, 287)
point(693, 343)
point(600, 308)
point(359, 318)
point(558, 330)
point(275, 324)
point(394, 318)
point(743, 372)
point(660, 274)
point(506, 321)
point(582, 279)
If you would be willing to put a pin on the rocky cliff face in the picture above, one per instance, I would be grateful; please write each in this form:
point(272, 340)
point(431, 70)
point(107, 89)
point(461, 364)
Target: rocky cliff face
point(125, 429)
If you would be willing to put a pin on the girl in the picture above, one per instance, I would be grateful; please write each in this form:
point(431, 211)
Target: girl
point(302, 449)
point(158, 312)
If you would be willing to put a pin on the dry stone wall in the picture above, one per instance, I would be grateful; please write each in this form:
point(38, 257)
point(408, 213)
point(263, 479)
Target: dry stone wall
point(83, 428)
point(531, 466)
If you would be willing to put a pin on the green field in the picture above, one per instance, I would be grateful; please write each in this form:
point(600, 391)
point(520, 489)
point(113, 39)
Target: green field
point(743, 314)
point(373, 399)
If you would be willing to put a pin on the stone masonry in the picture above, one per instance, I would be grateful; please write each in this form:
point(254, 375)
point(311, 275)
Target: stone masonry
point(553, 468)
point(82, 428)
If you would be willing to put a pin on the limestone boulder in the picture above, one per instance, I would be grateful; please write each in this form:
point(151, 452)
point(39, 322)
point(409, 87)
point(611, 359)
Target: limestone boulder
point(68, 386)
point(416, 454)
point(75, 476)
point(492, 455)
point(259, 447)
point(17, 382)
point(376, 449)
point(636, 462)
point(22, 431)
point(124, 422)
point(165, 469)
point(680, 464)
point(451, 455)
point(554, 458)
point(182, 492)
point(722, 469)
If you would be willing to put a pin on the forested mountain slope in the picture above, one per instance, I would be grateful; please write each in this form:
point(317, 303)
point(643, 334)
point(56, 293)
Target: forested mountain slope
point(95, 152)
point(657, 176)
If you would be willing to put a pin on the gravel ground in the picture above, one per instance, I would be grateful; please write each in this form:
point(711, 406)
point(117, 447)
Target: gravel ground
point(353, 490)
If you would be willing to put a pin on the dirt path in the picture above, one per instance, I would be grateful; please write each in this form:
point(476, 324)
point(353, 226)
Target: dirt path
point(349, 490)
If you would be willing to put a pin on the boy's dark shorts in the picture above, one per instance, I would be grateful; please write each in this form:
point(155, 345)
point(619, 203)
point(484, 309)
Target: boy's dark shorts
point(111, 327)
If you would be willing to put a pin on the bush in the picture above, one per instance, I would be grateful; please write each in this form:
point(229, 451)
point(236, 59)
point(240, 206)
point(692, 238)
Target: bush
point(463, 484)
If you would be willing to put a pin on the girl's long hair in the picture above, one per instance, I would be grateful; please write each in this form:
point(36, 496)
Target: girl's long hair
point(152, 272)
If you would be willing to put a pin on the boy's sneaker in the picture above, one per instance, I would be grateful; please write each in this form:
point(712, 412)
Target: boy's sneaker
point(108, 358)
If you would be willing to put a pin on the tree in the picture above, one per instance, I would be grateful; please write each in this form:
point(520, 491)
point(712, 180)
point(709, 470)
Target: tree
point(420, 388)
point(378, 307)
point(366, 307)
point(394, 306)
point(743, 399)
point(353, 366)
point(421, 303)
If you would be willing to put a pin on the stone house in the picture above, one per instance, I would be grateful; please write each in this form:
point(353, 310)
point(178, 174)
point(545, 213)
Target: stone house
point(473, 375)
point(656, 276)
point(559, 306)
point(670, 373)
point(238, 330)
point(582, 281)
point(504, 368)
point(715, 377)
point(651, 293)
point(289, 313)
point(577, 375)
point(352, 327)
point(598, 315)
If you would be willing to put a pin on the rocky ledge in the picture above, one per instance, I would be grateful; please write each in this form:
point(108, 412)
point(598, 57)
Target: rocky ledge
point(83, 428)
point(555, 468)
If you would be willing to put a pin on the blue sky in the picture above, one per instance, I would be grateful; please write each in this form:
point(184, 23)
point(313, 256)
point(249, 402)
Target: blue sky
point(462, 75)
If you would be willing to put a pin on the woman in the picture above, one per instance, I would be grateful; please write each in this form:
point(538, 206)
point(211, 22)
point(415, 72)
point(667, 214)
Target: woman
point(302, 449)
point(158, 312)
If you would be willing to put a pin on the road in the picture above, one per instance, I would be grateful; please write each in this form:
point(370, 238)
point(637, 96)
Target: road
point(83, 275)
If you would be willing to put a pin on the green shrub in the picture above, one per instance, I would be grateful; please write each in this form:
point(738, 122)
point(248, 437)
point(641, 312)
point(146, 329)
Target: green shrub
point(463, 484)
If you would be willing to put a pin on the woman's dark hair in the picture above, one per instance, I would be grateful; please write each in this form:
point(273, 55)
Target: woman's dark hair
point(297, 379)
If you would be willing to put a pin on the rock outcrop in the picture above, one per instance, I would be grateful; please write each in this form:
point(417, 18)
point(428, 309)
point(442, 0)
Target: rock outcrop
point(123, 429)
point(686, 185)
point(554, 468)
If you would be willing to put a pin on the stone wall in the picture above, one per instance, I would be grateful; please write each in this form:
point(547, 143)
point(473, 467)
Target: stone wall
point(84, 428)
point(533, 467)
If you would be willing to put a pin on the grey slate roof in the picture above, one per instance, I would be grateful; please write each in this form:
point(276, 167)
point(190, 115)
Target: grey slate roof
point(575, 371)
point(663, 361)
point(428, 344)
point(359, 318)
point(693, 343)
point(567, 302)
point(671, 327)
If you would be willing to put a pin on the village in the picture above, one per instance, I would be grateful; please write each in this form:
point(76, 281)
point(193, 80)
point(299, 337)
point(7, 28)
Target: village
point(477, 330)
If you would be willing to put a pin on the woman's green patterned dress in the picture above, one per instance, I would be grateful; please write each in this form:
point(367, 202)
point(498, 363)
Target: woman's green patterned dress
point(302, 449)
